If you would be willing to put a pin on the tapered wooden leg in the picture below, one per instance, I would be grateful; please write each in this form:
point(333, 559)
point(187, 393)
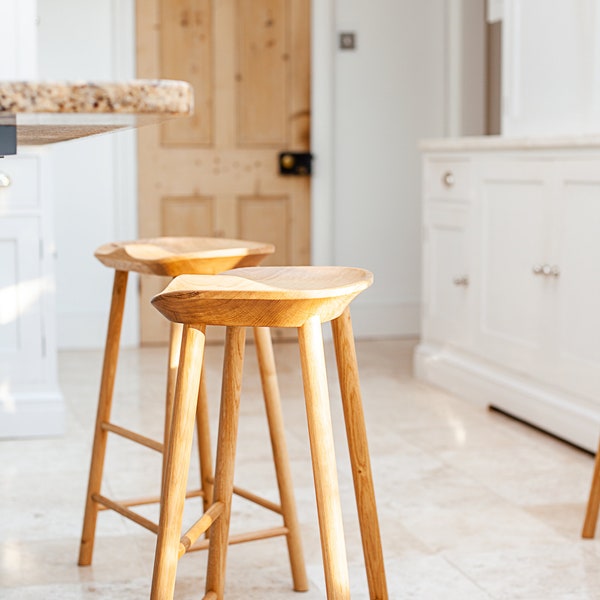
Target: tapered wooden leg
point(591, 515)
point(202, 418)
point(107, 383)
point(268, 376)
point(204, 447)
point(177, 463)
point(224, 467)
point(320, 432)
point(359, 454)
point(175, 333)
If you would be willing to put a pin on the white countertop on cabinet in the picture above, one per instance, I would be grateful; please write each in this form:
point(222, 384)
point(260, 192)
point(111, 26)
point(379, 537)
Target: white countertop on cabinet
point(501, 143)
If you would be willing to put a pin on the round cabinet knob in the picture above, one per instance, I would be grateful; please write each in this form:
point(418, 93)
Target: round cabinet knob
point(448, 179)
point(4, 180)
point(554, 271)
point(537, 269)
point(461, 281)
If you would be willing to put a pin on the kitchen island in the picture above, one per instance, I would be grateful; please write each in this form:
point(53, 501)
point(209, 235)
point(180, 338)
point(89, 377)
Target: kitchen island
point(34, 114)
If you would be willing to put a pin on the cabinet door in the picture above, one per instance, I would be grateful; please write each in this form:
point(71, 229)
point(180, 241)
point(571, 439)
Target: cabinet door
point(21, 291)
point(513, 316)
point(577, 253)
point(446, 271)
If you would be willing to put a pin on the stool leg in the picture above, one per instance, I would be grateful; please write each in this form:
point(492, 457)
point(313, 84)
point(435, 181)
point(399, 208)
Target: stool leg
point(359, 454)
point(268, 376)
point(175, 333)
point(202, 422)
point(320, 432)
point(591, 515)
point(107, 383)
point(204, 449)
point(177, 464)
point(224, 467)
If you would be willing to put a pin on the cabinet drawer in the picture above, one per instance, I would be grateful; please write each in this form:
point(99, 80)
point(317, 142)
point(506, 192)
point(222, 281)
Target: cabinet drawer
point(19, 180)
point(447, 178)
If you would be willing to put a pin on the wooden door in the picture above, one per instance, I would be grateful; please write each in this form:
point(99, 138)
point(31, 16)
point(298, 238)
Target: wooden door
point(216, 173)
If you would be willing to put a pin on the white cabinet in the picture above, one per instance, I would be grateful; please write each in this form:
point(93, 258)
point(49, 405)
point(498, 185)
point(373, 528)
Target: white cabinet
point(524, 333)
point(30, 402)
point(446, 252)
point(511, 236)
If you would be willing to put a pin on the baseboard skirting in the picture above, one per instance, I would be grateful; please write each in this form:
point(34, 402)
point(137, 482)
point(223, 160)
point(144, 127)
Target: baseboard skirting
point(26, 415)
point(564, 416)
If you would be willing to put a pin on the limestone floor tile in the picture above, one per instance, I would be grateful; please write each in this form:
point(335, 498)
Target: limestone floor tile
point(562, 570)
point(472, 504)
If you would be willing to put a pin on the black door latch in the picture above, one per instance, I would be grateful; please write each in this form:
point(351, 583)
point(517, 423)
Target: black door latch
point(295, 163)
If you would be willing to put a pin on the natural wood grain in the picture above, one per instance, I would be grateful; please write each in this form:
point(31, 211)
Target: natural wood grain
point(224, 466)
point(359, 454)
point(107, 383)
point(172, 256)
point(262, 296)
point(322, 449)
point(262, 72)
point(186, 53)
point(226, 183)
point(177, 465)
point(591, 514)
point(299, 297)
point(270, 386)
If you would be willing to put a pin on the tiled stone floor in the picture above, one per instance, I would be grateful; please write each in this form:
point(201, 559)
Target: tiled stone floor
point(472, 504)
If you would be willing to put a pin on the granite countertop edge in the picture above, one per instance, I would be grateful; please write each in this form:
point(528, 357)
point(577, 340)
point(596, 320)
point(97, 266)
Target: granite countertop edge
point(139, 96)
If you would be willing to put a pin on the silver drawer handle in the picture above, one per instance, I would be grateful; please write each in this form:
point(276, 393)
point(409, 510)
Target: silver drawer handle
point(448, 179)
point(546, 270)
point(4, 180)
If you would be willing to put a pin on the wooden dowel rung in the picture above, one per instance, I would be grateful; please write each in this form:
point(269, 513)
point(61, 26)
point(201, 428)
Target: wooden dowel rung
point(124, 511)
point(251, 536)
point(199, 527)
point(134, 437)
point(247, 495)
point(150, 500)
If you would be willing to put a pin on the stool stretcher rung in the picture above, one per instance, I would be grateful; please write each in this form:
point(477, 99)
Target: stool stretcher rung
point(150, 500)
point(199, 527)
point(134, 437)
point(241, 538)
point(250, 496)
point(124, 511)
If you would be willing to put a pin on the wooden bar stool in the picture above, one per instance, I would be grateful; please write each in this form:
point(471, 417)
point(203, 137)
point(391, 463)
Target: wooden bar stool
point(300, 297)
point(172, 257)
point(593, 505)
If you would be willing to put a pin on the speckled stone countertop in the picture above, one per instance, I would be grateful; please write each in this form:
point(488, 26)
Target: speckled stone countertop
point(47, 112)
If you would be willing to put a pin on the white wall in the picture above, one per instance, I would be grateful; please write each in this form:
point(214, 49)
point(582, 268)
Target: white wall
point(551, 67)
point(382, 98)
point(95, 191)
point(17, 32)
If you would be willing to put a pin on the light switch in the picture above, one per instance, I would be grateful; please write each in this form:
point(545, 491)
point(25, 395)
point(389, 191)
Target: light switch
point(347, 40)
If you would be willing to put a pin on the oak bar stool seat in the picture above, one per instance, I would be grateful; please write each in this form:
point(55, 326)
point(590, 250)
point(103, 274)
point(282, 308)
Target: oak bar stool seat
point(300, 297)
point(173, 256)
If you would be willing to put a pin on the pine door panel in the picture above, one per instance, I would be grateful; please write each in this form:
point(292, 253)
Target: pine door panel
point(216, 173)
